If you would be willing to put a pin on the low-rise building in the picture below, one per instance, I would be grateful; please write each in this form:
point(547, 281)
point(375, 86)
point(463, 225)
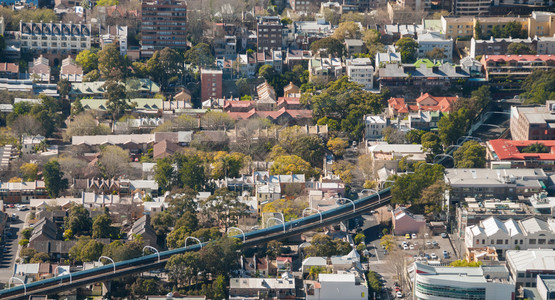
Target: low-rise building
point(333, 286)
point(498, 68)
point(56, 38)
point(490, 183)
point(361, 71)
point(353, 46)
point(374, 126)
point(499, 46)
point(484, 282)
point(530, 233)
point(384, 58)
point(325, 67)
point(405, 222)
point(513, 152)
point(9, 70)
point(39, 71)
point(526, 265)
point(400, 107)
point(22, 192)
point(262, 288)
point(71, 71)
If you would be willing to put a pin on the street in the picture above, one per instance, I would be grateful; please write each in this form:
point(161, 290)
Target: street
point(11, 244)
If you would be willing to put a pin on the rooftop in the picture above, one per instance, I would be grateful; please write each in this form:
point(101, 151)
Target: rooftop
point(537, 259)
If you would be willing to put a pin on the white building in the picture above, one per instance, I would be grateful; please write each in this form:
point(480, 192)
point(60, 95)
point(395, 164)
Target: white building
point(115, 34)
point(526, 265)
point(55, 37)
point(361, 71)
point(510, 234)
point(374, 126)
point(30, 142)
point(485, 282)
point(388, 57)
point(337, 286)
point(546, 45)
point(431, 40)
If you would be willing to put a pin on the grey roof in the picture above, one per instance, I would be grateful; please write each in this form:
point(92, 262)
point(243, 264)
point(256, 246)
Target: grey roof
point(432, 37)
point(55, 246)
point(538, 259)
point(353, 42)
point(536, 114)
point(142, 227)
point(444, 70)
point(392, 70)
point(44, 227)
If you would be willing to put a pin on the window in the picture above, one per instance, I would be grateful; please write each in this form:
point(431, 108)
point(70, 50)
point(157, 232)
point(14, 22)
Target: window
point(477, 242)
point(506, 242)
point(483, 241)
point(499, 242)
point(520, 275)
point(532, 241)
point(541, 241)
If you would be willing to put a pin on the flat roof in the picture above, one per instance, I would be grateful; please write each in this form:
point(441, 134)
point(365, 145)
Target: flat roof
point(538, 259)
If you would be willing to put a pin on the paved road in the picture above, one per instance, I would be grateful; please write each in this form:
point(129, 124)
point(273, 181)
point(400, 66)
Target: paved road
point(11, 243)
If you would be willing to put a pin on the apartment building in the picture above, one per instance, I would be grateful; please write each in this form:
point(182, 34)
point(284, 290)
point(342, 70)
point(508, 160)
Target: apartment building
point(326, 67)
point(484, 282)
point(374, 125)
point(211, 83)
point(491, 183)
point(22, 192)
point(361, 71)
point(470, 7)
point(163, 24)
point(499, 68)
point(54, 38)
point(541, 24)
point(533, 122)
point(270, 33)
point(435, 40)
point(40, 69)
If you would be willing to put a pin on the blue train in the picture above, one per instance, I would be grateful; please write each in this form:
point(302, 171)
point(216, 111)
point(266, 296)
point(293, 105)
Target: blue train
point(152, 258)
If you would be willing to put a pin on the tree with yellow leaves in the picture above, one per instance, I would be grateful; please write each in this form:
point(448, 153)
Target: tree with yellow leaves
point(292, 164)
point(337, 146)
point(29, 171)
point(291, 209)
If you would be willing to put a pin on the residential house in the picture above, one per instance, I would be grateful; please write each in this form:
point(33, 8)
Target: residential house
point(361, 71)
point(30, 143)
point(115, 34)
point(291, 91)
point(296, 57)
point(141, 87)
point(269, 31)
point(248, 65)
point(374, 127)
point(329, 68)
point(405, 222)
point(71, 71)
point(164, 149)
point(424, 120)
point(398, 107)
point(39, 71)
point(142, 227)
point(9, 70)
point(499, 46)
point(140, 105)
point(44, 230)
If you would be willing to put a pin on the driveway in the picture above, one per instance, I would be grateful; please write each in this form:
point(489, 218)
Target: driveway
point(11, 244)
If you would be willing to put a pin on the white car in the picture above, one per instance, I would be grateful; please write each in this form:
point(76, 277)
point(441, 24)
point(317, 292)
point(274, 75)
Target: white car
point(399, 295)
point(433, 256)
point(405, 247)
point(413, 235)
point(411, 247)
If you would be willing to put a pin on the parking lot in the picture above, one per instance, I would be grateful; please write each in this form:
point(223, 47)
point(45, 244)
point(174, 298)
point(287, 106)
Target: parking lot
point(424, 248)
point(10, 242)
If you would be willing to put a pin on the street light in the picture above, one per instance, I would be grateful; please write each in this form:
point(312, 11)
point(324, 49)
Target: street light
point(383, 183)
point(106, 257)
point(272, 218)
point(237, 228)
point(24, 286)
point(68, 271)
point(343, 198)
point(314, 209)
point(375, 192)
point(193, 238)
point(151, 248)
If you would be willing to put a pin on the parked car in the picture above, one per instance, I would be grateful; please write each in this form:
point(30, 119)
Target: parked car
point(428, 244)
point(413, 235)
point(407, 236)
point(444, 235)
point(434, 244)
point(405, 247)
point(445, 254)
point(399, 295)
point(433, 256)
point(411, 247)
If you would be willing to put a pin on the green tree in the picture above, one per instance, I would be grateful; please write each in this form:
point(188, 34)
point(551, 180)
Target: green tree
point(346, 30)
point(330, 45)
point(54, 180)
point(200, 55)
point(27, 232)
point(519, 48)
point(536, 148)
point(116, 98)
point(40, 257)
point(414, 136)
point(165, 66)
point(142, 287)
point(452, 126)
point(408, 187)
point(107, 2)
point(288, 164)
point(431, 201)
point(102, 227)
point(470, 155)
point(88, 60)
point(408, 48)
point(164, 173)
point(514, 29)
point(77, 107)
point(64, 87)
point(91, 251)
point(78, 220)
point(478, 34)
point(436, 53)
point(323, 245)
point(219, 289)
point(29, 171)
point(162, 222)
point(223, 208)
point(274, 249)
point(190, 171)
point(111, 64)
point(183, 268)
point(360, 237)
point(431, 143)
point(539, 87)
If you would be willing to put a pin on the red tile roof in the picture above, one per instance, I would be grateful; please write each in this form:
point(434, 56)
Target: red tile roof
point(275, 114)
point(510, 150)
point(544, 57)
point(289, 100)
point(9, 67)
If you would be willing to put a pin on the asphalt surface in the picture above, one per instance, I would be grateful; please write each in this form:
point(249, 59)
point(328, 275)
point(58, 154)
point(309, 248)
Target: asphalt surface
point(10, 244)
